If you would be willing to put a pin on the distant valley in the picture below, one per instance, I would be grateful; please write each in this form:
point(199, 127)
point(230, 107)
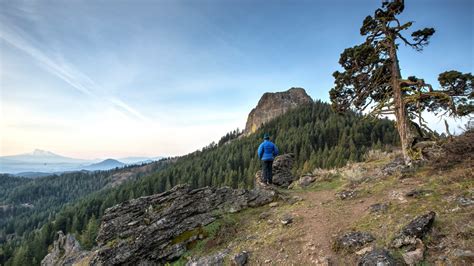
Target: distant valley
point(40, 163)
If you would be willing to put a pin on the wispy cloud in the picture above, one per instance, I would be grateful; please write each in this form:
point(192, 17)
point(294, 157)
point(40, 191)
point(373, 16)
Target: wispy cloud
point(57, 66)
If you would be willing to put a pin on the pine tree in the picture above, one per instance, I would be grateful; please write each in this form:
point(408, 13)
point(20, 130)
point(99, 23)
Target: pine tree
point(372, 81)
point(89, 235)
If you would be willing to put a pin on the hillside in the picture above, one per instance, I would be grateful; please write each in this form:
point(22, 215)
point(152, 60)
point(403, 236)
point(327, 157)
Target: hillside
point(104, 165)
point(366, 213)
point(313, 133)
point(27, 204)
point(376, 197)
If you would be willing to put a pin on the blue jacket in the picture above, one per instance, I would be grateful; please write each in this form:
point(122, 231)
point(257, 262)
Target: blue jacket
point(267, 151)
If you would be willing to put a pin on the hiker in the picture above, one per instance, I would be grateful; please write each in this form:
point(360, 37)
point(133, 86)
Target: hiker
point(267, 152)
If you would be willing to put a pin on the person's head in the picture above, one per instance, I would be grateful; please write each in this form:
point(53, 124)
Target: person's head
point(266, 136)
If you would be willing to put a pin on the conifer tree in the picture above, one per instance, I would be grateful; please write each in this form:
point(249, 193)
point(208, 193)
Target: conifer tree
point(372, 81)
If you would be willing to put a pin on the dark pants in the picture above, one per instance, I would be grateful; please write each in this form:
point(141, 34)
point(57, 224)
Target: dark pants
point(267, 171)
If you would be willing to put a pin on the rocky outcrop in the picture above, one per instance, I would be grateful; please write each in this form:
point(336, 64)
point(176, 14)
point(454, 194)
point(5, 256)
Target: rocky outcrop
point(281, 170)
point(66, 251)
point(157, 229)
point(416, 229)
point(272, 105)
point(353, 241)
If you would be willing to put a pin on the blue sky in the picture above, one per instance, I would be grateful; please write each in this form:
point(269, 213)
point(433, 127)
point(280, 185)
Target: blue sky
point(117, 78)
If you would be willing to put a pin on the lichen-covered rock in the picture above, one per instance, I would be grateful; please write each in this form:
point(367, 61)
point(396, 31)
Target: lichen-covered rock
point(465, 201)
point(66, 251)
point(281, 171)
point(272, 105)
point(415, 229)
point(282, 166)
point(378, 257)
point(157, 229)
point(353, 241)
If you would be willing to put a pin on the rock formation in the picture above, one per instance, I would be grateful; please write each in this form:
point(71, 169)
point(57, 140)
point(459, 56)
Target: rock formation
point(66, 251)
point(157, 229)
point(281, 171)
point(272, 105)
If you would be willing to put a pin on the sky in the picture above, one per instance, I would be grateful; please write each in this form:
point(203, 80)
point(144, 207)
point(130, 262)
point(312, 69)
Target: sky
point(99, 79)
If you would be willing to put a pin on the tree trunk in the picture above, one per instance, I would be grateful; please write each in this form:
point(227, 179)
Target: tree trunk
point(403, 122)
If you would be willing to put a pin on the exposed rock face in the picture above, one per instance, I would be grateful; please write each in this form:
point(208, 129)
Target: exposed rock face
point(272, 105)
point(282, 175)
point(66, 251)
point(157, 229)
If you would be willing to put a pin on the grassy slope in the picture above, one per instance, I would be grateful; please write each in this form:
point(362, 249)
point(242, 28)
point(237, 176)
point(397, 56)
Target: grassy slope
point(321, 216)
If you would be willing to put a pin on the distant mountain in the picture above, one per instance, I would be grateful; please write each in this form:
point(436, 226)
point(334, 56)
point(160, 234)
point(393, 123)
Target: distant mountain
point(41, 163)
point(139, 160)
point(104, 165)
point(42, 156)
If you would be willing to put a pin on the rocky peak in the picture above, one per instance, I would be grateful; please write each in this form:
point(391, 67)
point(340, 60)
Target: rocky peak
point(272, 105)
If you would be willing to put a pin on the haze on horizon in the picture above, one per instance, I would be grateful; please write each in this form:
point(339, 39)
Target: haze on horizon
point(92, 79)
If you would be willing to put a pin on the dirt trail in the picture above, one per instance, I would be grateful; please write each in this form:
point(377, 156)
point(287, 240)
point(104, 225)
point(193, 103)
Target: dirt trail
point(318, 218)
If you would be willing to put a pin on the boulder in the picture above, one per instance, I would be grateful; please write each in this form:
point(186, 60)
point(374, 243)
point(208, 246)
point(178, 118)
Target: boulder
point(66, 251)
point(417, 228)
point(157, 229)
point(465, 201)
point(378, 257)
point(241, 258)
point(414, 257)
point(353, 241)
point(282, 165)
point(282, 176)
point(286, 219)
